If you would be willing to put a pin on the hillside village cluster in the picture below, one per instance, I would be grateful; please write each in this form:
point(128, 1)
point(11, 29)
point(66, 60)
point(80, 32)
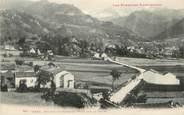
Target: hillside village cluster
point(83, 48)
point(56, 83)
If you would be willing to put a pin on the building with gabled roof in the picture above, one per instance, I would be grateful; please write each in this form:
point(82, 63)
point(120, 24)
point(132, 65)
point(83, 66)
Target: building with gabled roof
point(61, 78)
point(28, 77)
point(155, 77)
point(155, 81)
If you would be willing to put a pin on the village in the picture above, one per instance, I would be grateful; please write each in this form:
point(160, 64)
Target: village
point(101, 81)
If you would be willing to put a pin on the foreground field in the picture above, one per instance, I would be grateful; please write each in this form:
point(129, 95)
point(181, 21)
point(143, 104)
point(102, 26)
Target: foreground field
point(30, 99)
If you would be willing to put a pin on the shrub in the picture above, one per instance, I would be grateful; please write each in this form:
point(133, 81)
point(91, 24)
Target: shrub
point(30, 64)
point(19, 62)
point(10, 55)
point(5, 55)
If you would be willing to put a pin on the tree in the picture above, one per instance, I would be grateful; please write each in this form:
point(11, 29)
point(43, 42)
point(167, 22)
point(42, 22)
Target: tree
point(84, 48)
point(21, 42)
point(19, 62)
point(181, 51)
point(36, 68)
point(115, 76)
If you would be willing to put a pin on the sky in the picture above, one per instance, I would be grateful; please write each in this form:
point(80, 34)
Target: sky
point(87, 5)
point(95, 6)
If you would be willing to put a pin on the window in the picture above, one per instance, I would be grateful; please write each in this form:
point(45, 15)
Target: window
point(61, 81)
point(69, 83)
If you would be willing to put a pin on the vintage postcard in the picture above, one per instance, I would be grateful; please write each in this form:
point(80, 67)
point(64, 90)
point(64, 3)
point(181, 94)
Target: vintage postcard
point(92, 57)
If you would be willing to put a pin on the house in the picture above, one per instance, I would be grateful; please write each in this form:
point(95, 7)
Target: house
point(32, 51)
point(96, 56)
point(100, 56)
point(38, 52)
point(104, 56)
point(61, 78)
point(131, 48)
point(10, 50)
point(29, 78)
point(9, 47)
point(64, 79)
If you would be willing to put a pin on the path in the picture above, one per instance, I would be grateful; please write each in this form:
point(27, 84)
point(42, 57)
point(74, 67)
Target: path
point(120, 95)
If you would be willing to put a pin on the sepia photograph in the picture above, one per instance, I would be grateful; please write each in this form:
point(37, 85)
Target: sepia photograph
point(96, 55)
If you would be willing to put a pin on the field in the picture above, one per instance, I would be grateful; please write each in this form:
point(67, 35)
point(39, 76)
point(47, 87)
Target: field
point(175, 66)
point(29, 99)
point(97, 72)
point(152, 62)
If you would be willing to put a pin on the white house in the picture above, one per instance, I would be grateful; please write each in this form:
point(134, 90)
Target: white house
point(9, 47)
point(96, 55)
point(32, 51)
point(28, 77)
point(104, 56)
point(38, 52)
point(61, 78)
point(64, 79)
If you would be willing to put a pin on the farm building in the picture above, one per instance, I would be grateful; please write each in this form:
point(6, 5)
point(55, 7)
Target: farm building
point(156, 78)
point(156, 81)
point(28, 78)
point(64, 79)
point(10, 50)
point(60, 77)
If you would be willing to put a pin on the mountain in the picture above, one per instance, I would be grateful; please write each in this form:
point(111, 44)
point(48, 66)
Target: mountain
point(148, 24)
point(16, 25)
point(174, 32)
point(42, 18)
point(59, 13)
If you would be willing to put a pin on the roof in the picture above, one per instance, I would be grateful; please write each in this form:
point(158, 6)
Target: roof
point(155, 77)
point(25, 74)
point(64, 73)
point(25, 68)
point(169, 75)
point(7, 66)
point(52, 69)
point(8, 74)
